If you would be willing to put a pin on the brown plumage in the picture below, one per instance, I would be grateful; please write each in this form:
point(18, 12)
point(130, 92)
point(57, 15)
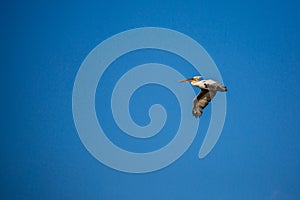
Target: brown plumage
point(209, 88)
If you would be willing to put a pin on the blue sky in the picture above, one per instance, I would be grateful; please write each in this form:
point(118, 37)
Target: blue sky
point(256, 47)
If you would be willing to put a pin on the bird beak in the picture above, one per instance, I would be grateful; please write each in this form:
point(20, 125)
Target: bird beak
point(187, 80)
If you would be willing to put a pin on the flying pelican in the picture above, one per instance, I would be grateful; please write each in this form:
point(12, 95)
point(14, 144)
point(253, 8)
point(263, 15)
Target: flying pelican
point(209, 89)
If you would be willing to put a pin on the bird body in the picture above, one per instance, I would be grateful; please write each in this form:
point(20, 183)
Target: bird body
point(208, 91)
point(203, 83)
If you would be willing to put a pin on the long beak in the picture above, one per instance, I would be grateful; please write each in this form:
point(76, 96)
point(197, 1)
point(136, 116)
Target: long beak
point(187, 80)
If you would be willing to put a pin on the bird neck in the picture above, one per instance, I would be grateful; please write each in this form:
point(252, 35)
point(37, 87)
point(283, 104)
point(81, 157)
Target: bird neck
point(195, 83)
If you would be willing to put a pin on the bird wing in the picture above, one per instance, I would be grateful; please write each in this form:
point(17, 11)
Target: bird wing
point(202, 100)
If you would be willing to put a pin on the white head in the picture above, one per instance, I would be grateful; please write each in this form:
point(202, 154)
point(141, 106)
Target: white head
point(194, 79)
point(197, 78)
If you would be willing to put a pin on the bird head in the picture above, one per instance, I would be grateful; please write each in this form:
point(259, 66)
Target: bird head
point(195, 78)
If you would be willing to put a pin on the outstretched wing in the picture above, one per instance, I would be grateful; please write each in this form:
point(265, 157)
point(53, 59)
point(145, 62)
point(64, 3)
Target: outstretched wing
point(202, 100)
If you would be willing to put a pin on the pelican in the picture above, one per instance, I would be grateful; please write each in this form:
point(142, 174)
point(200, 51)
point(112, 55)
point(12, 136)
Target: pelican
point(209, 89)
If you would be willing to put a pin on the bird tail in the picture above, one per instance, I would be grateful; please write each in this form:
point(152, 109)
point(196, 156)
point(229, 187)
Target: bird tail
point(222, 88)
